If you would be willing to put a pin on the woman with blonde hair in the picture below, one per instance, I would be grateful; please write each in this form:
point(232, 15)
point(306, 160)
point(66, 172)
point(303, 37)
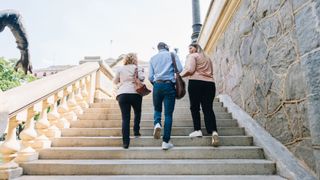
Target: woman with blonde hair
point(128, 97)
point(201, 89)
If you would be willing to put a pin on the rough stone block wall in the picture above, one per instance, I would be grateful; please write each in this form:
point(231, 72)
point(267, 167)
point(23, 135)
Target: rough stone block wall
point(259, 62)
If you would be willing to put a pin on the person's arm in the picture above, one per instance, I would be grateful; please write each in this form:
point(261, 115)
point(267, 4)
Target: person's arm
point(151, 72)
point(190, 67)
point(141, 73)
point(116, 79)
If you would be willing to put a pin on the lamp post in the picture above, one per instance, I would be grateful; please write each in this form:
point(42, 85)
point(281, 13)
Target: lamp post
point(196, 26)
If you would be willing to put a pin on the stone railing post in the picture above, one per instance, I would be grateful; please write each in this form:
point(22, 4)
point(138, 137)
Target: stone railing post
point(91, 83)
point(42, 126)
point(9, 148)
point(62, 110)
point(98, 95)
point(79, 96)
point(84, 94)
point(11, 145)
point(53, 117)
point(69, 103)
point(28, 136)
point(73, 102)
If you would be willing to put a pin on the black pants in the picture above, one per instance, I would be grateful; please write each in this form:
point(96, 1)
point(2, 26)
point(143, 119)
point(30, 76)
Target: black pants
point(202, 93)
point(125, 102)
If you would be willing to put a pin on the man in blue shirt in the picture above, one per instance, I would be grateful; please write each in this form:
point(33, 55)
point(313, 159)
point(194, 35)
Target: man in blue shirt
point(161, 75)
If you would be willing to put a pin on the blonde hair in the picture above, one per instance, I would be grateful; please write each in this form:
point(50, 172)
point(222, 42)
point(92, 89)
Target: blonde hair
point(130, 58)
point(199, 49)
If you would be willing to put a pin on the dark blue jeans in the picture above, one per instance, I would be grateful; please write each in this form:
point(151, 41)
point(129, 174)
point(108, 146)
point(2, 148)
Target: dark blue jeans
point(166, 93)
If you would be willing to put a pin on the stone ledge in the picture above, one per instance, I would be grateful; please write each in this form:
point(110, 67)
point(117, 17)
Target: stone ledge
point(287, 165)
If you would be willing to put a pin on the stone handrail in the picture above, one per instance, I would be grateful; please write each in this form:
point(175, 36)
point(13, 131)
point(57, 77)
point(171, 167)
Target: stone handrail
point(29, 94)
point(44, 107)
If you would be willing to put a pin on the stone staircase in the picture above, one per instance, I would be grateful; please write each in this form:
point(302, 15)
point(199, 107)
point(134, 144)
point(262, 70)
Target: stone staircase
point(92, 149)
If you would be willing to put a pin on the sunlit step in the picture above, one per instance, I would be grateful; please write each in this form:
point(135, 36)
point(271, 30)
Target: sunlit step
point(146, 141)
point(144, 123)
point(150, 167)
point(204, 152)
point(176, 131)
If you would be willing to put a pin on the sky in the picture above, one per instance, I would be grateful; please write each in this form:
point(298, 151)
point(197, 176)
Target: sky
point(62, 32)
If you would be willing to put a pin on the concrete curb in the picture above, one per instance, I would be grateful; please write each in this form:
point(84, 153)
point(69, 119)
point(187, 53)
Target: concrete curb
point(287, 164)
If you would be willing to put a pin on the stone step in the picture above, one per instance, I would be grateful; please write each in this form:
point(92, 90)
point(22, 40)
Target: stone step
point(176, 131)
point(176, 116)
point(150, 167)
point(223, 152)
point(145, 104)
point(144, 123)
point(147, 141)
point(147, 109)
point(160, 177)
point(150, 100)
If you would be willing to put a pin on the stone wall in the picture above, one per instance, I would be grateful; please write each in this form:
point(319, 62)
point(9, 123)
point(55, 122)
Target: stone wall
point(259, 61)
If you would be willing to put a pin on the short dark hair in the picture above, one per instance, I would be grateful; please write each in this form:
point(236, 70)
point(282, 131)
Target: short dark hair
point(162, 45)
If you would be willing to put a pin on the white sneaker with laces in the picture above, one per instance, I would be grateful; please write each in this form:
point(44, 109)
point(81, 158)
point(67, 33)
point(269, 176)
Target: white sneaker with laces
point(157, 131)
point(196, 134)
point(166, 146)
point(215, 138)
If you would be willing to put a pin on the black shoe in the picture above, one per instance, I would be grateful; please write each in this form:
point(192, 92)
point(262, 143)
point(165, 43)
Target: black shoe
point(125, 146)
point(137, 134)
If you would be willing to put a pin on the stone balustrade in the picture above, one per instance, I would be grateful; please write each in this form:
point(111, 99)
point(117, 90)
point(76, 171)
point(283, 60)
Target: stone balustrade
point(43, 108)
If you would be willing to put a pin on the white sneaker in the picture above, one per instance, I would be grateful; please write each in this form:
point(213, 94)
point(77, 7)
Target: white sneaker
point(166, 146)
point(196, 134)
point(157, 131)
point(215, 138)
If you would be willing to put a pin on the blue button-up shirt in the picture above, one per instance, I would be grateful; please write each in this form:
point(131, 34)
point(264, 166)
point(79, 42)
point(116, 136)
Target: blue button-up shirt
point(161, 66)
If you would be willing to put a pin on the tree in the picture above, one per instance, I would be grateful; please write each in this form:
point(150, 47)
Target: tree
point(10, 78)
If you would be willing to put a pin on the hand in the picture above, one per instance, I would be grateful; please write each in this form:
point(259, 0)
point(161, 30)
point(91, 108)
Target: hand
point(24, 62)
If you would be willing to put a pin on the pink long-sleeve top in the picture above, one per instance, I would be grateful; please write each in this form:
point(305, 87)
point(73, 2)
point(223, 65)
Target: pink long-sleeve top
point(198, 67)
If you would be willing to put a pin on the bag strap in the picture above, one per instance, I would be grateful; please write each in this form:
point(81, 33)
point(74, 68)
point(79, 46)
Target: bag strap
point(174, 63)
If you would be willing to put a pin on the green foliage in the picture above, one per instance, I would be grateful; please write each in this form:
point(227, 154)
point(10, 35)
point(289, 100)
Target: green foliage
point(9, 78)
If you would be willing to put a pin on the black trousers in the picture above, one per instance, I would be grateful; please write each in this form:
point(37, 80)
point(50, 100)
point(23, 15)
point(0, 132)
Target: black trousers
point(126, 101)
point(202, 93)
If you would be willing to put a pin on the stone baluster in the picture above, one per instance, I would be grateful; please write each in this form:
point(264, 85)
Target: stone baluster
point(84, 94)
point(54, 118)
point(70, 115)
point(91, 86)
point(42, 126)
point(9, 148)
point(11, 145)
point(62, 110)
point(28, 136)
point(73, 102)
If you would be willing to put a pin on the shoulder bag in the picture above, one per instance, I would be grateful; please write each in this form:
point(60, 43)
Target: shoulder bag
point(180, 84)
point(139, 86)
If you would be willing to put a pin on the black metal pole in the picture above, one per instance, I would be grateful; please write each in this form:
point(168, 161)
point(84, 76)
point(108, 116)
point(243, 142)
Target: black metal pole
point(196, 26)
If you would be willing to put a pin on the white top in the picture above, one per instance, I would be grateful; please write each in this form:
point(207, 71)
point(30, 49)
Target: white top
point(124, 79)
